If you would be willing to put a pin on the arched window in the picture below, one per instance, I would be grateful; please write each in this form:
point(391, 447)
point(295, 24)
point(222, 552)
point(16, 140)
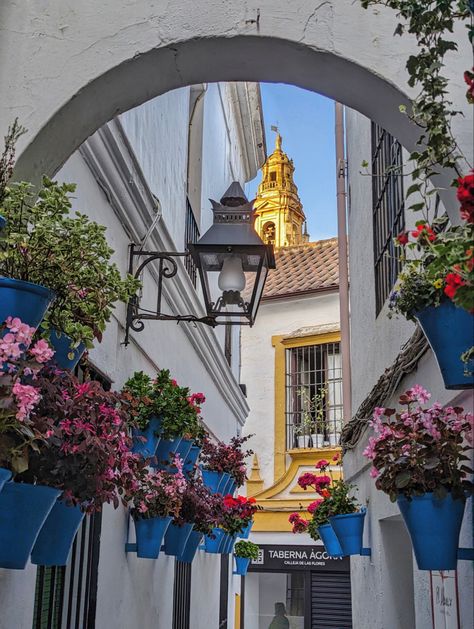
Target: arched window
point(268, 233)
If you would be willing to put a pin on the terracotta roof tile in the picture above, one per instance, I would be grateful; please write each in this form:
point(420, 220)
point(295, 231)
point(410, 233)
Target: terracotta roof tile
point(301, 268)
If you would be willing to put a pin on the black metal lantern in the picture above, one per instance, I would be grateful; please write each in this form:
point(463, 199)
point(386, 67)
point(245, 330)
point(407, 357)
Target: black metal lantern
point(232, 261)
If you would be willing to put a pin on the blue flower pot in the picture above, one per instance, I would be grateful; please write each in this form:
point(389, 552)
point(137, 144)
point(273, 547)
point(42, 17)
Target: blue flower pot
point(25, 300)
point(149, 535)
point(330, 541)
point(246, 532)
point(176, 538)
point(189, 551)
point(165, 450)
point(226, 481)
point(3, 222)
point(54, 542)
point(211, 480)
point(434, 526)
point(212, 545)
point(349, 529)
point(227, 544)
point(5, 475)
point(241, 565)
point(191, 459)
point(449, 331)
point(61, 343)
point(231, 486)
point(147, 448)
point(23, 511)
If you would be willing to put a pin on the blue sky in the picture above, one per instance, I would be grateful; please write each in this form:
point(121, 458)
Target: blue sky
point(306, 123)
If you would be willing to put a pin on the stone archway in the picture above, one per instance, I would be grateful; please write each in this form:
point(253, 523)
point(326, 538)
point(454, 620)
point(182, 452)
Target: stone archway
point(68, 71)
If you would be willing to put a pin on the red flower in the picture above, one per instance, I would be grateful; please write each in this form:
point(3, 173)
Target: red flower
point(325, 493)
point(453, 283)
point(469, 79)
point(299, 524)
point(465, 195)
point(423, 230)
point(402, 238)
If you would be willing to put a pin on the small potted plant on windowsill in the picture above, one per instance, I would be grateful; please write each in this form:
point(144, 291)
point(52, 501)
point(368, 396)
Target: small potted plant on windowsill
point(419, 456)
point(244, 552)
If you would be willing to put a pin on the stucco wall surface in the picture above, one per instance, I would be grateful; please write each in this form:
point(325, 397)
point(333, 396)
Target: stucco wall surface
point(83, 63)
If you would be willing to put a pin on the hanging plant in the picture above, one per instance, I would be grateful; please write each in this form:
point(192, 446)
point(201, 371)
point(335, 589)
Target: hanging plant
point(43, 243)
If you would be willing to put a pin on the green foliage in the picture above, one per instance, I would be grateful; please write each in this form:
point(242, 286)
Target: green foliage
point(44, 244)
point(246, 549)
point(432, 23)
point(338, 502)
point(178, 409)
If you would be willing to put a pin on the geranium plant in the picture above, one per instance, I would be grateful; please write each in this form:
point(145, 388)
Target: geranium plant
point(158, 493)
point(178, 408)
point(20, 362)
point(247, 550)
point(336, 498)
point(221, 457)
point(87, 450)
point(417, 450)
point(44, 243)
point(235, 514)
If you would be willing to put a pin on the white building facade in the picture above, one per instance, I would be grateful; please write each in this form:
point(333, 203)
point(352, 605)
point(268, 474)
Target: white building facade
point(149, 173)
point(389, 592)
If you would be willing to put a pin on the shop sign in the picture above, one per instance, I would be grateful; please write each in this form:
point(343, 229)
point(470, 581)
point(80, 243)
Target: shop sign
point(444, 599)
point(288, 558)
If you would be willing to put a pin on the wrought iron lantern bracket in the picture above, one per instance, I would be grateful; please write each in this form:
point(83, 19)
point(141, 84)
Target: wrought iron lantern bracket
point(167, 268)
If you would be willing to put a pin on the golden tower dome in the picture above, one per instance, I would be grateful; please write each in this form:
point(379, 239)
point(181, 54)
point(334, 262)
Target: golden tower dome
point(279, 216)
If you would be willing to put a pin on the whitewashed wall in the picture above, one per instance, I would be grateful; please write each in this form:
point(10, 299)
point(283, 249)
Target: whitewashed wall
point(131, 591)
point(275, 317)
point(390, 578)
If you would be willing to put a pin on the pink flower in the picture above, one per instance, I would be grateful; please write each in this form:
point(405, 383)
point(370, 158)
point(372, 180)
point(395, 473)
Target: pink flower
point(314, 505)
point(27, 397)
point(42, 351)
point(417, 392)
point(374, 472)
point(320, 465)
point(306, 480)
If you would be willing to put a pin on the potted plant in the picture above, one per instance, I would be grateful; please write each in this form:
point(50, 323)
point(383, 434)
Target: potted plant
point(23, 507)
point(437, 288)
point(419, 458)
point(235, 515)
point(243, 552)
point(138, 392)
point(223, 465)
point(86, 457)
point(336, 517)
point(310, 432)
point(155, 501)
point(43, 244)
point(175, 411)
point(196, 517)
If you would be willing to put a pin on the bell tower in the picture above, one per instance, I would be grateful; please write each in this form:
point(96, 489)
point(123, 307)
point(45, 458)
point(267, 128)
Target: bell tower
point(279, 216)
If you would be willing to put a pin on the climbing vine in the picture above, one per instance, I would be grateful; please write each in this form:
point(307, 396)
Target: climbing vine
point(432, 23)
